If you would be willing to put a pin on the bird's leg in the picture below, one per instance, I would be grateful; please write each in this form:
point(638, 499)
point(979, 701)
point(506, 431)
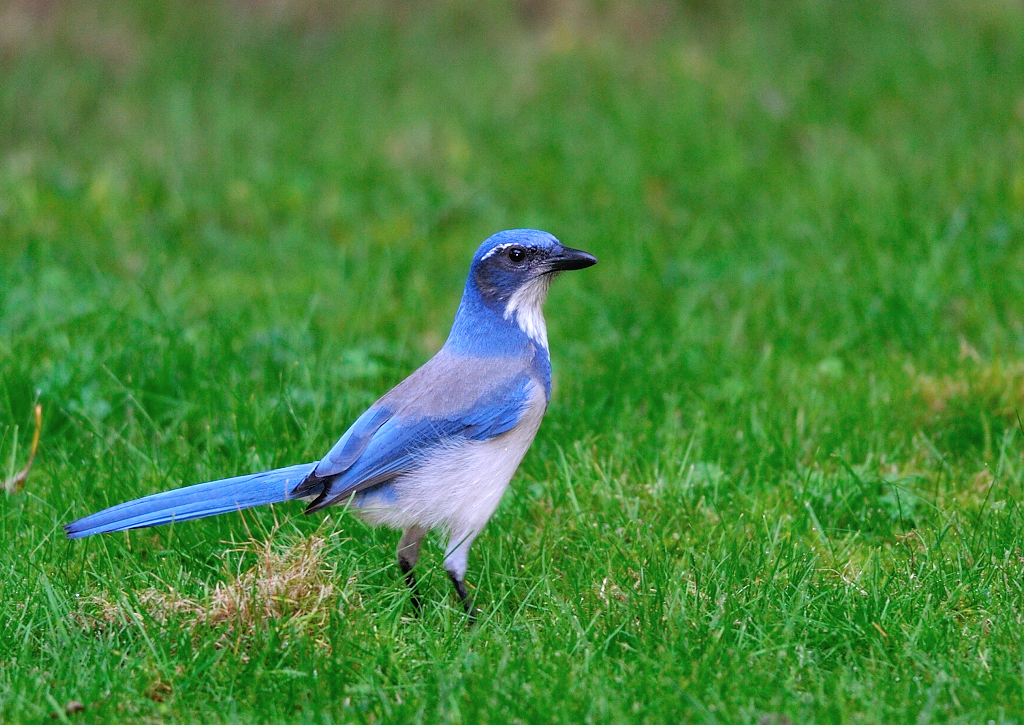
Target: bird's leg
point(460, 589)
point(456, 560)
point(408, 555)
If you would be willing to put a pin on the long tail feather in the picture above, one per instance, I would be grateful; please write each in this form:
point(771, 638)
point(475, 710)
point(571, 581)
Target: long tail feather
point(194, 502)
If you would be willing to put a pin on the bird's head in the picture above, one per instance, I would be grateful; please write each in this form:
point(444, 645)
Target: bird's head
point(513, 271)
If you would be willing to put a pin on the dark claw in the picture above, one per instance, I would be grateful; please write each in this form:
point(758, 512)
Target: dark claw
point(410, 580)
point(460, 589)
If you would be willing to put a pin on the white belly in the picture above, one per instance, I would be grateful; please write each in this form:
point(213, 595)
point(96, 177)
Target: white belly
point(456, 488)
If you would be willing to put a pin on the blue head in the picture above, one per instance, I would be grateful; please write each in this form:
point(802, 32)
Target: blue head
point(507, 285)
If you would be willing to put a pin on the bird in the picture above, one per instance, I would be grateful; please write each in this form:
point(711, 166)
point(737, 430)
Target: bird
point(437, 451)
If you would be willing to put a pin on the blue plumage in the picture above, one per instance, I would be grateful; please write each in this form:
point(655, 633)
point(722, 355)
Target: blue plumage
point(400, 443)
point(350, 446)
point(439, 449)
point(194, 502)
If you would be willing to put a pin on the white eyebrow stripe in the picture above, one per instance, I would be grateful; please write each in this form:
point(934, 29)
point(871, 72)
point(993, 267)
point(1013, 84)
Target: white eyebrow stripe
point(501, 248)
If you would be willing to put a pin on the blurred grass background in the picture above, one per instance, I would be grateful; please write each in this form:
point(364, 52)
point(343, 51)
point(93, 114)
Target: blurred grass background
point(780, 477)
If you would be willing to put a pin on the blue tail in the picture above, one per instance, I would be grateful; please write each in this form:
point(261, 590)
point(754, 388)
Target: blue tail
point(194, 502)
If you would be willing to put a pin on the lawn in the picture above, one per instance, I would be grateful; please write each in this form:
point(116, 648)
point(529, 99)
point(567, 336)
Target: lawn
point(781, 478)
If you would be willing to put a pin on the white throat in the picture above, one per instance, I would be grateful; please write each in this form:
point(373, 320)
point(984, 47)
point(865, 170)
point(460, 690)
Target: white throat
point(527, 306)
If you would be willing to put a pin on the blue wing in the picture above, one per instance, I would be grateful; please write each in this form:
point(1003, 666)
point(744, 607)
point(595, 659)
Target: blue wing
point(351, 445)
point(382, 445)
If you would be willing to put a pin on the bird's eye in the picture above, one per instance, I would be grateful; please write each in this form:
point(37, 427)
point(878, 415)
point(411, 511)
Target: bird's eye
point(516, 255)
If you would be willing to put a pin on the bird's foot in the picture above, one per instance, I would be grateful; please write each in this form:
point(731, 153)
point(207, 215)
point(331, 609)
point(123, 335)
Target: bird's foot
point(467, 603)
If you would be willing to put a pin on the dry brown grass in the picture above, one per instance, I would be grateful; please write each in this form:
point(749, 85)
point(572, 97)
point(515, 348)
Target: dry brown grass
point(995, 388)
point(292, 583)
point(89, 31)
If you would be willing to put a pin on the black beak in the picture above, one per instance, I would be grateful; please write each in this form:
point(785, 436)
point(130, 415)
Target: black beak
point(571, 259)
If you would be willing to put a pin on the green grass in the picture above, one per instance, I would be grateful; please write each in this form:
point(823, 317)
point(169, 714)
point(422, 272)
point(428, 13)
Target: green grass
point(781, 474)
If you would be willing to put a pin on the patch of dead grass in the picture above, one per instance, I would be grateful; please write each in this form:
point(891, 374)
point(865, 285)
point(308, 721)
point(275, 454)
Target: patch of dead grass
point(971, 407)
point(996, 384)
point(292, 584)
point(90, 31)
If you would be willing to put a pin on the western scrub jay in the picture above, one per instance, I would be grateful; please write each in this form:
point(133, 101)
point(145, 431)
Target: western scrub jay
point(439, 449)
